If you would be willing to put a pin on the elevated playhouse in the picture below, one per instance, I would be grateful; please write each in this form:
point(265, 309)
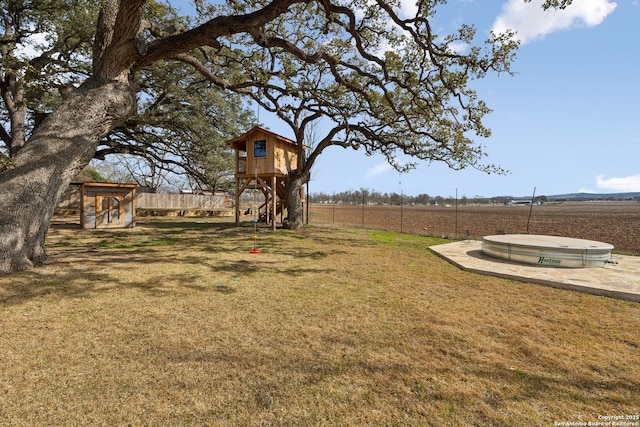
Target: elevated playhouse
point(263, 160)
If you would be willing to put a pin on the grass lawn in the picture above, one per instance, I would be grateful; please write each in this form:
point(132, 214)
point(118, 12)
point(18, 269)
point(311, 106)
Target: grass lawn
point(176, 323)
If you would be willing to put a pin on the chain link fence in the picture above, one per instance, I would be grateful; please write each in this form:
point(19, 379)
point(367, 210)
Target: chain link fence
point(611, 222)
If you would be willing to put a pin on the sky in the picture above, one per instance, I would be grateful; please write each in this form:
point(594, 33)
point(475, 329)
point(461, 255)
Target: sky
point(566, 122)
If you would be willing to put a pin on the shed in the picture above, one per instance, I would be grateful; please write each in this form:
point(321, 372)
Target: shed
point(107, 205)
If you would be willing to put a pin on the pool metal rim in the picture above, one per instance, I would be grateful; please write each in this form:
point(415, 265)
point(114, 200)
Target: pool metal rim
point(549, 251)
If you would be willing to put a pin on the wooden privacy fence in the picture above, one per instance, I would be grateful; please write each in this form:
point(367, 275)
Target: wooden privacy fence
point(157, 203)
point(182, 202)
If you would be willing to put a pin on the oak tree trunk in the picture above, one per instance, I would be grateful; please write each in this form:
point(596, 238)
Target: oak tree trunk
point(293, 196)
point(59, 148)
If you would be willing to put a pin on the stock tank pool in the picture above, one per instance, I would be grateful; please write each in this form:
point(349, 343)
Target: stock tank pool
point(548, 251)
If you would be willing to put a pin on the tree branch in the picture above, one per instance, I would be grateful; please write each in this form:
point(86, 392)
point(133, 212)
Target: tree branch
point(115, 39)
point(208, 74)
point(207, 33)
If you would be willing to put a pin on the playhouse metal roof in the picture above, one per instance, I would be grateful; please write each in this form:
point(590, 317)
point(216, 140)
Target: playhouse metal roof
point(237, 141)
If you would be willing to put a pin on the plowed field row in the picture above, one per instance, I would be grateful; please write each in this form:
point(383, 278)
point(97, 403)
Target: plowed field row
point(617, 223)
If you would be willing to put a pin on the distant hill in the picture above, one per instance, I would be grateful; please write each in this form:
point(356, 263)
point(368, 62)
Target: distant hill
point(578, 197)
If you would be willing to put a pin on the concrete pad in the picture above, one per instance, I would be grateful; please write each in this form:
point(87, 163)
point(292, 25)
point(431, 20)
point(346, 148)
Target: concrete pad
point(620, 279)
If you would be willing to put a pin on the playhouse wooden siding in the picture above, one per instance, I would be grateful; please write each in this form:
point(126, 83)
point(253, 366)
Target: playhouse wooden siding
point(285, 159)
point(107, 205)
point(278, 158)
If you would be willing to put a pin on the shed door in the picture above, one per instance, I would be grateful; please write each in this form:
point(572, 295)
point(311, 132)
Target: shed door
point(109, 210)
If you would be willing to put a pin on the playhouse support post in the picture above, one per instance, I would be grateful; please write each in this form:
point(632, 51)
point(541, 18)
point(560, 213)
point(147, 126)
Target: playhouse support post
point(237, 203)
point(273, 202)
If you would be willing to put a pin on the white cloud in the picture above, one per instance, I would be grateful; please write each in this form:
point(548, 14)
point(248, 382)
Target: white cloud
point(619, 184)
point(408, 8)
point(587, 190)
point(378, 169)
point(458, 47)
point(531, 22)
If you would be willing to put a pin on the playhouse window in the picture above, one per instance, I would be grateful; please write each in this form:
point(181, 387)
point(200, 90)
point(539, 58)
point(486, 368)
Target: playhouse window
point(260, 148)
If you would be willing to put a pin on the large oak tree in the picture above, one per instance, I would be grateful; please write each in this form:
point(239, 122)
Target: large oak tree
point(388, 83)
point(180, 131)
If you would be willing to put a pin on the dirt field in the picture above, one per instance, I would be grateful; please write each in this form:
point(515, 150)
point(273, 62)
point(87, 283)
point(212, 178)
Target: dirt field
point(617, 223)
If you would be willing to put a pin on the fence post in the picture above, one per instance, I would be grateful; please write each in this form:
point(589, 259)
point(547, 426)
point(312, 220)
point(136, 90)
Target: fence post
point(333, 201)
point(401, 211)
point(455, 236)
point(363, 210)
point(533, 197)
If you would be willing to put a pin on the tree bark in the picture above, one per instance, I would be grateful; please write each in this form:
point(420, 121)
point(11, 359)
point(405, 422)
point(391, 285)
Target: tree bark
point(58, 149)
point(293, 196)
point(13, 97)
point(67, 139)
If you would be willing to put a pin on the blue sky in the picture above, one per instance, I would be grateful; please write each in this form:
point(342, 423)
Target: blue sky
point(566, 122)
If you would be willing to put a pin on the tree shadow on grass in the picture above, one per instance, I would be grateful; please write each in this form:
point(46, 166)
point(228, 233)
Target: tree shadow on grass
point(78, 273)
point(76, 283)
point(242, 267)
point(187, 224)
point(85, 262)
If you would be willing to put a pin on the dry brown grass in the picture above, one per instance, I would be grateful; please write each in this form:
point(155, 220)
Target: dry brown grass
point(175, 323)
